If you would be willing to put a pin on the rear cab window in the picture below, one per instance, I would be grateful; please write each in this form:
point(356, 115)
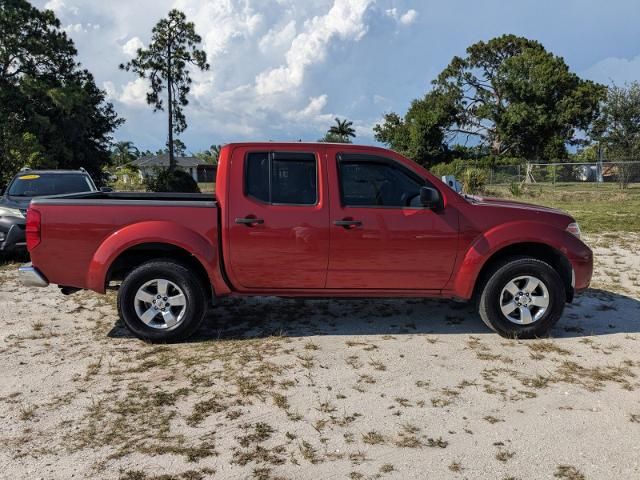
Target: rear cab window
point(282, 178)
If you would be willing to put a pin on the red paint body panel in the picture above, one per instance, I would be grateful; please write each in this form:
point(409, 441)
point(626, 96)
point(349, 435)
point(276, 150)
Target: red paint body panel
point(414, 248)
point(291, 248)
point(298, 251)
point(79, 243)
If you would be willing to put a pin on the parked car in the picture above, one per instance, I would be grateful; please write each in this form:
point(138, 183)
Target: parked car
point(309, 220)
point(25, 186)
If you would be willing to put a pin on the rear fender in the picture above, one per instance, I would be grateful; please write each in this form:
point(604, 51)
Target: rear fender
point(150, 232)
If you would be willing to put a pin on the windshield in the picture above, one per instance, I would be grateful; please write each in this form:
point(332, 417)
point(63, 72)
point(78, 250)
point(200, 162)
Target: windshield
point(37, 185)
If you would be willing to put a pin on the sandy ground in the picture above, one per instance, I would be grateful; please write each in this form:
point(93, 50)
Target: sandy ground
point(275, 388)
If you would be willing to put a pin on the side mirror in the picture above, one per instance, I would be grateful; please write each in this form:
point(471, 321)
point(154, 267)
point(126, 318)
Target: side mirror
point(106, 189)
point(430, 198)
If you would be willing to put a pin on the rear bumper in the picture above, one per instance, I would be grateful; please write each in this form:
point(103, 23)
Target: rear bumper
point(30, 276)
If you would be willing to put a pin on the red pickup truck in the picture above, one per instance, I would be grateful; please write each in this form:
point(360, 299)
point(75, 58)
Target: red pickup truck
point(309, 220)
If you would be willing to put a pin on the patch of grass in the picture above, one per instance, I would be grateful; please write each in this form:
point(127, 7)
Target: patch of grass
point(280, 401)
point(407, 437)
point(568, 472)
point(27, 412)
point(378, 365)
point(492, 420)
point(311, 346)
point(547, 346)
point(597, 208)
point(594, 378)
point(437, 443)
point(203, 409)
point(308, 452)
point(373, 438)
point(504, 455)
point(455, 466)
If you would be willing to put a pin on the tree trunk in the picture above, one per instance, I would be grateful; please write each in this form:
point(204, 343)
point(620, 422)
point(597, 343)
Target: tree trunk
point(172, 158)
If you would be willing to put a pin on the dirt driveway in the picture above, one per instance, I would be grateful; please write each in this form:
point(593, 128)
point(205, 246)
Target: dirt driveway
point(275, 388)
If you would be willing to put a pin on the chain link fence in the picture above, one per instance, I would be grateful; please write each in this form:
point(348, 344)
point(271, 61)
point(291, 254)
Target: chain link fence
point(594, 174)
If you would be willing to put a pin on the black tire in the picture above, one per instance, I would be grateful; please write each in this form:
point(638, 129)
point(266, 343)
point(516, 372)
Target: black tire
point(494, 294)
point(189, 285)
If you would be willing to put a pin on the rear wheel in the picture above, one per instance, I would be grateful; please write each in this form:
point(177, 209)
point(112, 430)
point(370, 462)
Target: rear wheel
point(522, 298)
point(162, 301)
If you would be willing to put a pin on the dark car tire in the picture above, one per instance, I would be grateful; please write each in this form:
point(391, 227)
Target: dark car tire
point(181, 285)
point(500, 290)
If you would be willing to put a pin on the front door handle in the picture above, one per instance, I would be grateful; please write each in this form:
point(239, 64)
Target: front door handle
point(249, 221)
point(348, 223)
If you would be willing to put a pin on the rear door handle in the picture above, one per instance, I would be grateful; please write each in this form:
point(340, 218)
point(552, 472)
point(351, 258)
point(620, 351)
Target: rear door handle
point(348, 223)
point(249, 221)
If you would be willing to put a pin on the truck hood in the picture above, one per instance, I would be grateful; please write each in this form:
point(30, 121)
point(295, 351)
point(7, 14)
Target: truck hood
point(499, 202)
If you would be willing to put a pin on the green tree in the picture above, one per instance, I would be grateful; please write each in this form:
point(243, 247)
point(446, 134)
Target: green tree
point(124, 152)
point(341, 132)
point(210, 156)
point(179, 148)
point(51, 112)
point(617, 131)
point(518, 98)
point(173, 48)
point(422, 133)
point(618, 127)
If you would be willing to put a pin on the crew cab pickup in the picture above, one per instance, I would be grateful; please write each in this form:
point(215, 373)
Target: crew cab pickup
point(309, 220)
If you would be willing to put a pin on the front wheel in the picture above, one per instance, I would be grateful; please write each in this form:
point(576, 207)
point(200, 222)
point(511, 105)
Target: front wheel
point(522, 298)
point(162, 301)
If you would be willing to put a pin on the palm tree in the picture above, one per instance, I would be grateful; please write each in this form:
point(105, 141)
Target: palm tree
point(215, 152)
point(124, 152)
point(343, 129)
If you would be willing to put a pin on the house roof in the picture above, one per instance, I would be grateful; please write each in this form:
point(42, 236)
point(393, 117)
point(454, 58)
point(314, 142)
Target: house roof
point(163, 161)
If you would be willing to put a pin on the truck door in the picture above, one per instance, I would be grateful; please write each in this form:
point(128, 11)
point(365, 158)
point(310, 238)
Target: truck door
point(381, 237)
point(278, 219)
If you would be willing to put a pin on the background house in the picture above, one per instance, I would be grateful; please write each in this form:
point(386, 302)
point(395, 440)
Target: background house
point(199, 170)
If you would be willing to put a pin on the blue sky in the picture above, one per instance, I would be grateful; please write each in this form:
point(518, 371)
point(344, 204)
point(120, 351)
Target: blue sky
point(283, 69)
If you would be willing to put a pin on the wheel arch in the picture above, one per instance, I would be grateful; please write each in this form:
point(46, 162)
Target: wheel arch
point(134, 256)
point(541, 251)
point(137, 243)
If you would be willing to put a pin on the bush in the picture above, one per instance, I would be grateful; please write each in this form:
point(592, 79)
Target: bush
point(516, 189)
point(474, 180)
point(455, 167)
point(171, 181)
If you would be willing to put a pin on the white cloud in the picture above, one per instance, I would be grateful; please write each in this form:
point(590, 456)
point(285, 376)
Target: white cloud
point(313, 111)
point(409, 17)
point(406, 18)
point(60, 7)
point(344, 20)
point(269, 63)
point(134, 93)
point(614, 69)
point(278, 38)
point(81, 28)
point(131, 47)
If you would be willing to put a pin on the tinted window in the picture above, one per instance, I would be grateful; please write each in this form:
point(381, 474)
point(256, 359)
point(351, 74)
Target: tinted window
point(39, 184)
point(368, 182)
point(282, 178)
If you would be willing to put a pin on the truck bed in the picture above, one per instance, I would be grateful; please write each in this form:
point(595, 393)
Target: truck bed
point(82, 232)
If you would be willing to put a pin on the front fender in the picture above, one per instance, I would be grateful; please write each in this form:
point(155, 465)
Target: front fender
point(487, 244)
point(148, 232)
